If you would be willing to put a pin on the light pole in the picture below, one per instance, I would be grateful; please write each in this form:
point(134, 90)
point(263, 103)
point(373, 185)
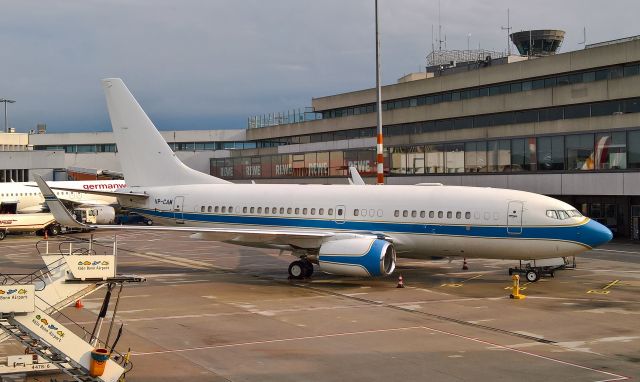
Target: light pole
point(379, 146)
point(6, 126)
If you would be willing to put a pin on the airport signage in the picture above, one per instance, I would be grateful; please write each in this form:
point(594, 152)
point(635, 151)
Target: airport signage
point(103, 186)
point(17, 298)
point(99, 267)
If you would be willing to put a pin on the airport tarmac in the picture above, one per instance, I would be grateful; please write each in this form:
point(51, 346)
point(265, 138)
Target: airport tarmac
point(211, 311)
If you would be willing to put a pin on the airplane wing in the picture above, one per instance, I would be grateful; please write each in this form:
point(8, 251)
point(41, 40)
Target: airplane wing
point(105, 193)
point(302, 239)
point(130, 194)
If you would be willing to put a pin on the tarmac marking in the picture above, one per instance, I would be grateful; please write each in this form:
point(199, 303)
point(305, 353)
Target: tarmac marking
point(451, 300)
point(277, 340)
point(613, 376)
point(246, 311)
point(604, 289)
point(608, 270)
point(458, 285)
point(123, 296)
point(182, 282)
point(613, 250)
point(522, 286)
point(584, 299)
point(174, 261)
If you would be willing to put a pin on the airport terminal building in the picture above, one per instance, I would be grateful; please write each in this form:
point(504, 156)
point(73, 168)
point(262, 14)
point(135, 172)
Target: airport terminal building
point(565, 125)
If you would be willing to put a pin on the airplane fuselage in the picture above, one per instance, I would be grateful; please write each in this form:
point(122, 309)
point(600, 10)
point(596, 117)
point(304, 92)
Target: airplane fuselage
point(26, 197)
point(422, 221)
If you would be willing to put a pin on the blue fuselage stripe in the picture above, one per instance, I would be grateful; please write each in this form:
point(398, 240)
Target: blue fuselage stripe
point(566, 233)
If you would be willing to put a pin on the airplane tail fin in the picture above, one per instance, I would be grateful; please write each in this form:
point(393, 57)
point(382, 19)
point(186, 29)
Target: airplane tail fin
point(145, 157)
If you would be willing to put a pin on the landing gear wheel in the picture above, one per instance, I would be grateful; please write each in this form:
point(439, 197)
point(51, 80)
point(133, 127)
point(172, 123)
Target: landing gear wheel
point(532, 276)
point(297, 270)
point(2, 234)
point(308, 270)
point(54, 230)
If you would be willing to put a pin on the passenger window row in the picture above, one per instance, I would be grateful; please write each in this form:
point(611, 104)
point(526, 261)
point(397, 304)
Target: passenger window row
point(35, 193)
point(368, 212)
point(432, 214)
point(27, 194)
point(270, 210)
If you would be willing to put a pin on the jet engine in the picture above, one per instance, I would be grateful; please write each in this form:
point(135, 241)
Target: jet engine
point(360, 256)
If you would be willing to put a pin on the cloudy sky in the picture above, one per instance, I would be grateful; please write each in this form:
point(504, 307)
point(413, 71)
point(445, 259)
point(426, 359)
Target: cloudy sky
point(211, 64)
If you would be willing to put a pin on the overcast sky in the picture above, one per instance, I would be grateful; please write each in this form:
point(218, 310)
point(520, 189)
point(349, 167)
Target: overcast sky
point(211, 64)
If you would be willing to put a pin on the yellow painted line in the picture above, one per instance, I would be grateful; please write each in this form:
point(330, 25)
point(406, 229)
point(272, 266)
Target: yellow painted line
point(458, 285)
point(611, 284)
point(604, 288)
point(598, 291)
point(522, 286)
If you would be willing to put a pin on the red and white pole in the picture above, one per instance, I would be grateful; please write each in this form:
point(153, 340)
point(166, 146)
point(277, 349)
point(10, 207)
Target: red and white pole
point(379, 146)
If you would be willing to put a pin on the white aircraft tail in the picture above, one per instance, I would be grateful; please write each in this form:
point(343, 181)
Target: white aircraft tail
point(145, 157)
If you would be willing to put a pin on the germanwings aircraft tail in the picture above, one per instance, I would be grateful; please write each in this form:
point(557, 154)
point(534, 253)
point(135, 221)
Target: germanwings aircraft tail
point(146, 158)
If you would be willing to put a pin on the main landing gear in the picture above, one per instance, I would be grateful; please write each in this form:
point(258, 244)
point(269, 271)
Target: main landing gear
point(300, 269)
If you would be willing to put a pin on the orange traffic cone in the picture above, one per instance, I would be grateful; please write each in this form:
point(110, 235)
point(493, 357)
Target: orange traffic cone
point(79, 304)
point(400, 282)
point(464, 265)
point(46, 234)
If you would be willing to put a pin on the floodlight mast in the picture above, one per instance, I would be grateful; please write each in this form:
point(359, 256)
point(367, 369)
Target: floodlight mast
point(6, 101)
point(379, 146)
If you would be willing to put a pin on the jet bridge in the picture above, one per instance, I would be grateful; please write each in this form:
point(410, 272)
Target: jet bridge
point(31, 311)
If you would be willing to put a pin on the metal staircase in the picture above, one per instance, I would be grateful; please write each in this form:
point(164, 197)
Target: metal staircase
point(36, 345)
point(28, 304)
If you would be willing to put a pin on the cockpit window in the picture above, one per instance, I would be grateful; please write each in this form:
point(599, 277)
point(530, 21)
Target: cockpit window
point(560, 214)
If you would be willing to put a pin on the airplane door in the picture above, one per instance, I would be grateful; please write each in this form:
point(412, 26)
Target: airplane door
point(514, 218)
point(8, 208)
point(178, 204)
point(339, 214)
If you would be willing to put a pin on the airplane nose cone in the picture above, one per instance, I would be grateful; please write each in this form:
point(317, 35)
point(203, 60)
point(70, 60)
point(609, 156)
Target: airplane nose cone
point(596, 234)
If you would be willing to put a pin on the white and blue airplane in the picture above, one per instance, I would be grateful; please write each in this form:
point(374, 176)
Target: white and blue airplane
point(343, 229)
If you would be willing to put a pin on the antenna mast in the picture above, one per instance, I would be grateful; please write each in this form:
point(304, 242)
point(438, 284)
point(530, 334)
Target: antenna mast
point(439, 29)
point(508, 29)
point(584, 37)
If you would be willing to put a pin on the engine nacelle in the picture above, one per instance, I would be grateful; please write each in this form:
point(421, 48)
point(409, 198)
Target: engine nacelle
point(362, 257)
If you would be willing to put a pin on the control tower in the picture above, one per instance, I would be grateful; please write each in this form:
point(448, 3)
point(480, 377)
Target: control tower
point(538, 42)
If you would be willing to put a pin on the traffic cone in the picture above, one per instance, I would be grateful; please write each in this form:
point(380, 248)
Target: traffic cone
point(400, 282)
point(464, 265)
point(79, 304)
point(46, 234)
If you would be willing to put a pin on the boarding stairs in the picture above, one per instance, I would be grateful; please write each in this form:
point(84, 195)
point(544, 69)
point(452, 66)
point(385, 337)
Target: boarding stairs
point(29, 303)
point(35, 344)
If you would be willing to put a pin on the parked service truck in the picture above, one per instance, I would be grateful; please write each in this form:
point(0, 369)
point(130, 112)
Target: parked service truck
point(95, 215)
